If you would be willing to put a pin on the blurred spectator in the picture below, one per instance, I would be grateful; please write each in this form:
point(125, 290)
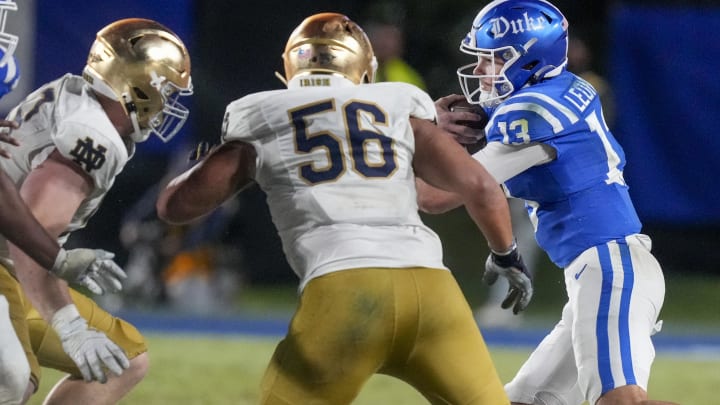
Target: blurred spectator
point(189, 267)
point(388, 41)
point(580, 62)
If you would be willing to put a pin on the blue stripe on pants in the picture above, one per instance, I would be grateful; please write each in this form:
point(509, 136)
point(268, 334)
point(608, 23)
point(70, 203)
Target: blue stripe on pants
point(601, 327)
point(624, 321)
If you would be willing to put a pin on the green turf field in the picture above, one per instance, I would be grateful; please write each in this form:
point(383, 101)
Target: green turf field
point(195, 370)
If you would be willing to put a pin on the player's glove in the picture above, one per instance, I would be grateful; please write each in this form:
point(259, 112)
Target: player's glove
point(510, 265)
point(92, 351)
point(90, 268)
point(201, 150)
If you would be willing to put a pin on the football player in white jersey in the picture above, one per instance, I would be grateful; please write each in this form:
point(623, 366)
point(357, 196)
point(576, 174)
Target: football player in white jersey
point(548, 143)
point(75, 135)
point(93, 269)
point(337, 156)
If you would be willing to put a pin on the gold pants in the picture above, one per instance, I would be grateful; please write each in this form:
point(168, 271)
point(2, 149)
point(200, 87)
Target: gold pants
point(42, 345)
point(413, 324)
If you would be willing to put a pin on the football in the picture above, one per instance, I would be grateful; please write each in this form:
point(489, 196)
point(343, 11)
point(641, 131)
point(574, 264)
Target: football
point(464, 106)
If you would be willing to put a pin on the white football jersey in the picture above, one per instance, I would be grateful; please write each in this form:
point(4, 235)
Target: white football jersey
point(335, 161)
point(64, 115)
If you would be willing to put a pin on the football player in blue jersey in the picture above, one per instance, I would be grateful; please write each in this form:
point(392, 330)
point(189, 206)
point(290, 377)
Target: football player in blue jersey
point(548, 144)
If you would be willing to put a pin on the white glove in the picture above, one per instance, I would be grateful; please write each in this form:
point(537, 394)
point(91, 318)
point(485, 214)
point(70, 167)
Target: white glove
point(91, 268)
point(511, 266)
point(91, 350)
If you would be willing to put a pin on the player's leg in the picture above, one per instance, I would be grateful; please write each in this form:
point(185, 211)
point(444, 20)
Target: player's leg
point(619, 297)
point(549, 374)
point(340, 334)
point(72, 389)
point(629, 395)
point(444, 355)
point(14, 366)
point(18, 305)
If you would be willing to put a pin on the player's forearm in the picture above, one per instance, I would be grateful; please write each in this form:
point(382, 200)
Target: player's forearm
point(488, 208)
point(504, 162)
point(193, 195)
point(433, 200)
point(207, 185)
point(20, 227)
point(46, 292)
point(177, 203)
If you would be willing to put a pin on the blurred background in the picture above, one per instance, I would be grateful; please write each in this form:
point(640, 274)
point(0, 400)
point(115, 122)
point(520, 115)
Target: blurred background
point(655, 62)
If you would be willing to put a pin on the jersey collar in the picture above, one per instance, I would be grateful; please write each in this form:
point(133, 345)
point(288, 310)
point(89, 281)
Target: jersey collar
point(319, 80)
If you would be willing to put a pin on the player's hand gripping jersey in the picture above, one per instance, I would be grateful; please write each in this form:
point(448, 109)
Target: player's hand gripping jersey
point(575, 202)
point(345, 152)
point(65, 116)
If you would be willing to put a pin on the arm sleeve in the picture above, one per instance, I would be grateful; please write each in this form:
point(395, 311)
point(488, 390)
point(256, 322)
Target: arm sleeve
point(504, 162)
point(422, 106)
point(244, 120)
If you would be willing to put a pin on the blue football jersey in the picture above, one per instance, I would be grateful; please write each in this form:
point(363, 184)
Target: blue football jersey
point(580, 199)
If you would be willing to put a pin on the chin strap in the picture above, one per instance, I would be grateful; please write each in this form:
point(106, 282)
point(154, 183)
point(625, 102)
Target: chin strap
point(281, 77)
point(547, 72)
point(138, 135)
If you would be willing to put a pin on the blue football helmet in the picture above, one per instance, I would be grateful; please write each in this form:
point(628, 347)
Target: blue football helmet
point(8, 42)
point(9, 75)
point(526, 41)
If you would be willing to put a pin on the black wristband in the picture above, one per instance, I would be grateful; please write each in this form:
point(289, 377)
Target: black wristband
point(507, 260)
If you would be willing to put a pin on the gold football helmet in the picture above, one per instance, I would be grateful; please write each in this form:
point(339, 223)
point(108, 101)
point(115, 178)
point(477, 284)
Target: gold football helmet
point(145, 67)
point(8, 42)
point(330, 43)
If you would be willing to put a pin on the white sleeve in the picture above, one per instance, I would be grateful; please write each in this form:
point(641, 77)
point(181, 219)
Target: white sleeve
point(504, 162)
point(244, 119)
point(422, 105)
